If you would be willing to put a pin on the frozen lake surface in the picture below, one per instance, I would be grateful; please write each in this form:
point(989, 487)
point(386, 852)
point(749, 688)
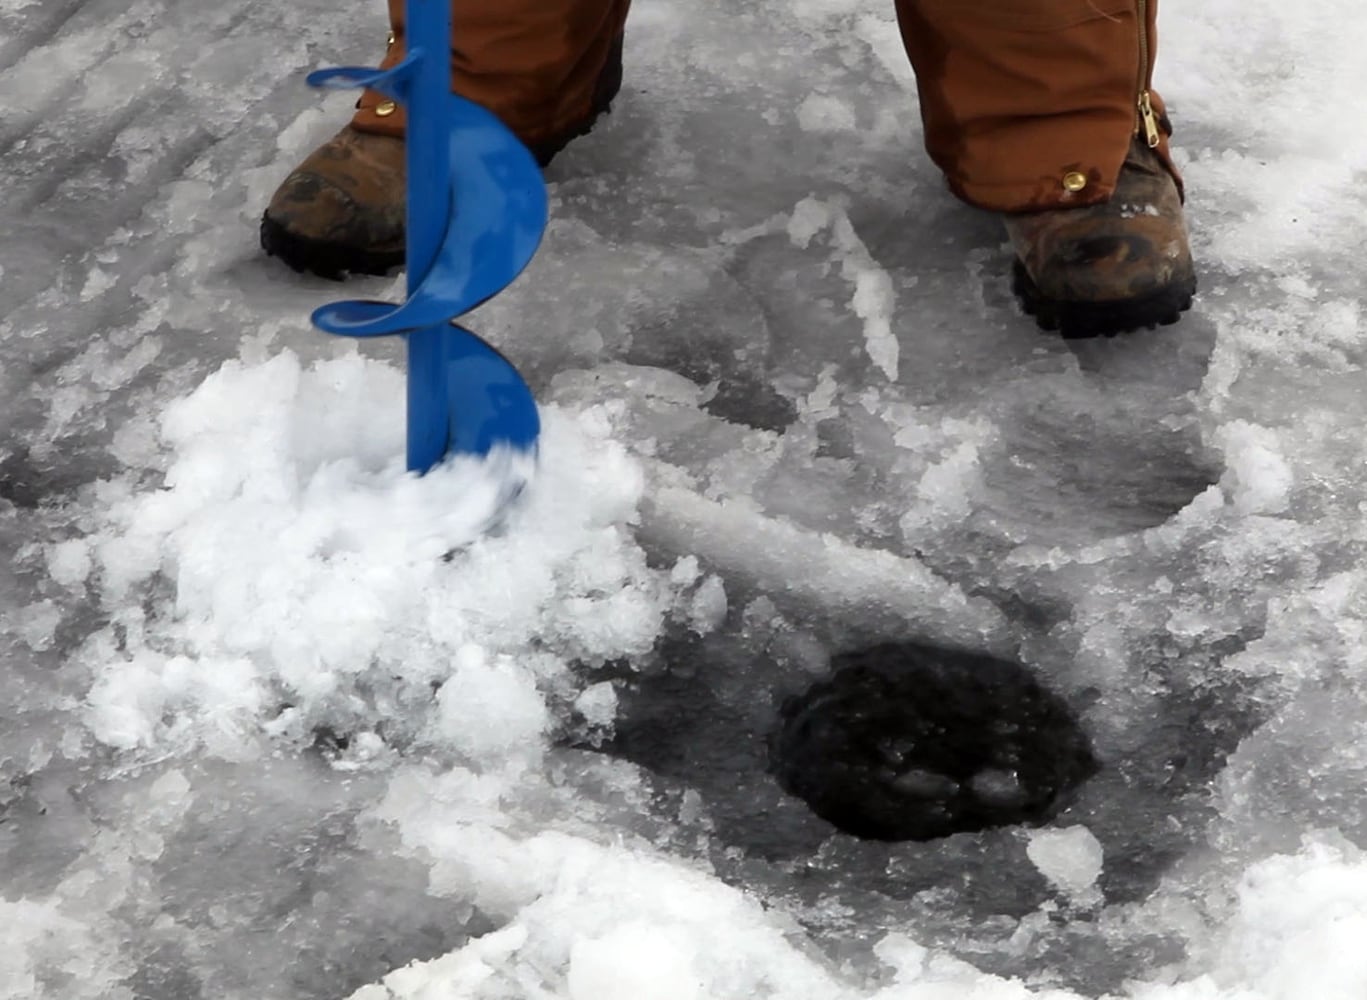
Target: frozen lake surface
point(278, 725)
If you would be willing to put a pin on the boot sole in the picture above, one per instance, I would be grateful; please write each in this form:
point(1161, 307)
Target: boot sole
point(334, 261)
point(1080, 320)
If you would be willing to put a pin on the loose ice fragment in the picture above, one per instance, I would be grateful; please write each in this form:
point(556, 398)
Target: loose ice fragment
point(1070, 858)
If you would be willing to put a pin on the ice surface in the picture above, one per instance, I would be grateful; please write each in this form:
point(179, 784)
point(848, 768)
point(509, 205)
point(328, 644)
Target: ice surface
point(281, 722)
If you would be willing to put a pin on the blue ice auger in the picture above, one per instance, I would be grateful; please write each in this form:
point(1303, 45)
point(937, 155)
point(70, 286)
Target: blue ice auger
point(476, 212)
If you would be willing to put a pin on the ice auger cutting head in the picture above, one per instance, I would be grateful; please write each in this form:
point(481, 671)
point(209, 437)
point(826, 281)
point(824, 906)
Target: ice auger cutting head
point(476, 212)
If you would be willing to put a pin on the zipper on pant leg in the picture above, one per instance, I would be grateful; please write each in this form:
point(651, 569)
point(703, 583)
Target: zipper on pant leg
point(1145, 120)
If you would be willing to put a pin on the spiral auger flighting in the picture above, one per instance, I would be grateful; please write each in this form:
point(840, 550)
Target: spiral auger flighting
point(477, 209)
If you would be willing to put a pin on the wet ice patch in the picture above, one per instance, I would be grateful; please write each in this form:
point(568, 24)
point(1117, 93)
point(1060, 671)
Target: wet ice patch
point(35, 623)
point(874, 299)
point(289, 574)
point(824, 113)
point(39, 944)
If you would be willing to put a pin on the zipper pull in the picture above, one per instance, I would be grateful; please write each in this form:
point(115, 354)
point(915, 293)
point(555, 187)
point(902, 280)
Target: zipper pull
point(1150, 120)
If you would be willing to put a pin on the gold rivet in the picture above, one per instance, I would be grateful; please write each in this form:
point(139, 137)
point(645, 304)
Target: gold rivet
point(385, 108)
point(1074, 181)
point(391, 39)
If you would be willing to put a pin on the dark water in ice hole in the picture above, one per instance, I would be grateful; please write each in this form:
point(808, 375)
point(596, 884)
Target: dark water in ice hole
point(707, 718)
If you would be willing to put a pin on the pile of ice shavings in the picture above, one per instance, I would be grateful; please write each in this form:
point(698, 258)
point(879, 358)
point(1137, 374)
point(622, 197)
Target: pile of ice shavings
point(291, 576)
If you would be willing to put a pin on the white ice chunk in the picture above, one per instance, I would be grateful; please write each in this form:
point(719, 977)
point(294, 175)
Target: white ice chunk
point(1071, 858)
point(598, 704)
point(635, 960)
point(69, 562)
point(1258, 478)
point(490, 706)
point(708, 608)
point(825, 113)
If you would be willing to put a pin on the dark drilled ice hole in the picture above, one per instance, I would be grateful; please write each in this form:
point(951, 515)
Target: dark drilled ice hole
point(910, 742)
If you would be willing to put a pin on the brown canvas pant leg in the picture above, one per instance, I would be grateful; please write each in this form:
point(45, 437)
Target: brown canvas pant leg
point(1032, 104)
point(534, 63)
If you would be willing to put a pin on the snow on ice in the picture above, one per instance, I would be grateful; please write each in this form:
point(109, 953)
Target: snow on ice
point(281, 721)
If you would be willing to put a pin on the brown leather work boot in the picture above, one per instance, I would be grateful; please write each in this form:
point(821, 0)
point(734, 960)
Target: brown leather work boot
point(1108, 268)
point(343, 209)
